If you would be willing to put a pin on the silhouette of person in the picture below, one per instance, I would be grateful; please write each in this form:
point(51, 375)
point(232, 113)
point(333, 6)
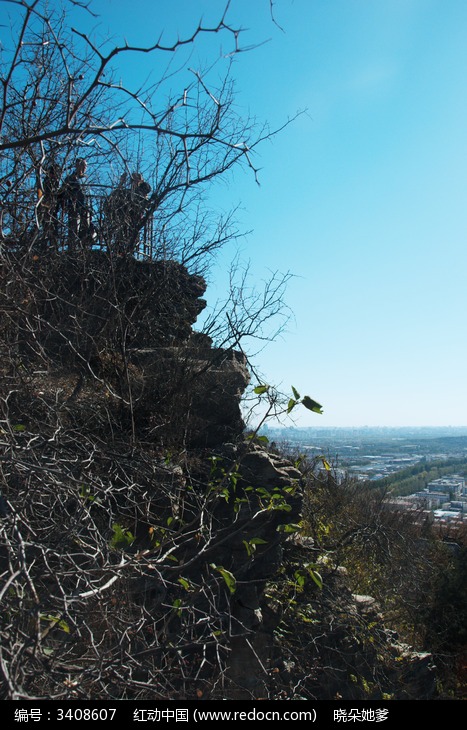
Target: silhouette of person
point(76, 204)
point(125, 210)
point(50, 203)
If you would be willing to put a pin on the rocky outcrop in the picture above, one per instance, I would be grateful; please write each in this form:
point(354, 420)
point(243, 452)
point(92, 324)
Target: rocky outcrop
point(206, 383)
point(127, 325)
point(89, 304)
point(255, 557)
point(162, 555)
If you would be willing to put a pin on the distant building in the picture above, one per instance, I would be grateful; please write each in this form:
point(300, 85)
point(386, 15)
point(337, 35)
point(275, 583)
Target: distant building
point(452, 485)
point(431, 499)
point(448, 515)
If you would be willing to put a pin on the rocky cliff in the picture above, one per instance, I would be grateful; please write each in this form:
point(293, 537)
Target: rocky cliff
point(149, 549)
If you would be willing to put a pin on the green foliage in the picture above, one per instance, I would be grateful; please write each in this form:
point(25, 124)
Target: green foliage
point(229, 578)
point(260, 439)
point(306, 401)
point(271, 499)
point(121, 539)
point(223, 484)
point(311, 404)
point(55, 621)
point(186, 584)
point(223, 481)
point(250, 545)
point(289, 528)
point(307, 571)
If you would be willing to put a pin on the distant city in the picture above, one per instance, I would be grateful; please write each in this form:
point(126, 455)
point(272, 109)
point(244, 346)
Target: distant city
point(372, 454)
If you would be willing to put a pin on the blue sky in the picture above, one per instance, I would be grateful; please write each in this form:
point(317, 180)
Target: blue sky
point(363, 197)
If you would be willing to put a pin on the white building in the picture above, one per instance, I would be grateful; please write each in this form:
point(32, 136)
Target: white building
point(452, 485)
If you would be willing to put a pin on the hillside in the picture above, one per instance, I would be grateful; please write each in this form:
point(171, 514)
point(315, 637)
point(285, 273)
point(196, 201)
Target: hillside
point(149, 549)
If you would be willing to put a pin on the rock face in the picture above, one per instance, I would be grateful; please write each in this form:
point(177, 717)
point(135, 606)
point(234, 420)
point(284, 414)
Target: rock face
point(129, 323)
point(98, 300)
point(151, 523)
point(206, 383)
point(255, 556)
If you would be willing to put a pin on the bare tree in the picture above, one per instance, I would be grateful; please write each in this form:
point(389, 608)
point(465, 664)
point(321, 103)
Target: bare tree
point(61, 99)
point(116, 544)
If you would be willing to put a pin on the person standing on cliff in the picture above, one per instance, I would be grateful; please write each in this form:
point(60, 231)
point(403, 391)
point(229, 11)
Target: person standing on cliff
point(125, 211)
point(50, 203)
point(76, 204)
point(140, 190)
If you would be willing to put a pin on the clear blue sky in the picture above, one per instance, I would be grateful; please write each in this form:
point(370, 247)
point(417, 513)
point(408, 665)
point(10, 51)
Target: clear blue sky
point(363, 197)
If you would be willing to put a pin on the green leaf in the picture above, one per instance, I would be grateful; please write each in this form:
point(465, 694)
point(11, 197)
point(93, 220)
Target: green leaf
point(229, 578)
point(282, 507)
point(289, 528)
point(306, 619)
point(299, 578)
point(177, 605)
point(316, 577)
point(311, 404)
point(185, 583)
point(121, 538)
point(250, 545)
point(291, 405)
point(55, 620)
point(255, 437)
point(296, 393)
point(260, 389)
point(19, 428)
point(248, 548)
